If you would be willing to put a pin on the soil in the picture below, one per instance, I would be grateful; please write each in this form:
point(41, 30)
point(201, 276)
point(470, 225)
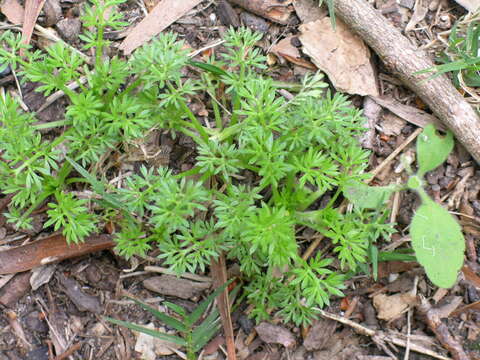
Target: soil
point(66, 309)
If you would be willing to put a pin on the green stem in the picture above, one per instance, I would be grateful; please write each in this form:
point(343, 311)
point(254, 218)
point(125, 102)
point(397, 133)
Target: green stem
point(52, 124)
point(54, 143)
point(192, 171)
point(196, 124)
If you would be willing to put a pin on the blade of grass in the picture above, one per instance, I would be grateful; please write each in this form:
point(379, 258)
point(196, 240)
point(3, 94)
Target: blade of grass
point(172, 338)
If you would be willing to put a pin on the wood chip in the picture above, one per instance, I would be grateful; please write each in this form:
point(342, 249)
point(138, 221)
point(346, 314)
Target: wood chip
point(341, 54)
point(162, 16)
point(172, 286)
point(82, 300)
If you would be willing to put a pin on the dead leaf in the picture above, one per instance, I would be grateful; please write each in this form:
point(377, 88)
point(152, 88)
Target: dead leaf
point(275, 334)
point(163, 15)
point(392, 307)
point(13, 11)
point(308, 10)
point(174, 286)
point(278, 11)
point(419, 13)
point(32, 10)
point(341, 54)
point(320, 334)
point(470, 5)
point(285, 49)
point(409, 113)
point(392, 124)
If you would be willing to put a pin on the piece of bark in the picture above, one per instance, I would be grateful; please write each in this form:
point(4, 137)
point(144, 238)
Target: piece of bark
point(163, 15)
point(278, 11)
point(48, 250)
point(172, 286)
point(227, 14)
point(82, 300)
point(441, 331)
point(341, 54)
point(15, 289)
point(404, 60)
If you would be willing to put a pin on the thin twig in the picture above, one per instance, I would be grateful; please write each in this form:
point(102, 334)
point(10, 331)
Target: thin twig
point(380, 336)
point(394, 154)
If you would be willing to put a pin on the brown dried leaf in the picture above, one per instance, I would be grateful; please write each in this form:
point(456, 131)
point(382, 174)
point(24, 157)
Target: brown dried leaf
point(320, 334)
point(411, 114)
point(173, 286)
point(392, 307)
point(13, 11)
point(341, 54)
point(32, 10)
point(162, 16)
point(285, 49)
point(275, 334)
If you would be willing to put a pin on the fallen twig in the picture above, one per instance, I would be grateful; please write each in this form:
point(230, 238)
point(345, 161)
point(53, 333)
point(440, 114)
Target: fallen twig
point(405, 60)
point(433, 319)
point(380, 336)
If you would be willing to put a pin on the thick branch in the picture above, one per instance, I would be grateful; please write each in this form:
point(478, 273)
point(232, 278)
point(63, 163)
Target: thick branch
point(404, 59)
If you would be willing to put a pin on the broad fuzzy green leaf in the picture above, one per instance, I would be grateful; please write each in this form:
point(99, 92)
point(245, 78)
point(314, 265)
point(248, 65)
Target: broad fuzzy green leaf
point(438, 242)
point(432, 149)
point(367, 197)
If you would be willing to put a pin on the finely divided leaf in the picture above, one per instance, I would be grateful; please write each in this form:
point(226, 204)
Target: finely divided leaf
point(367, 197)
point(432, 149)
point(438, 243)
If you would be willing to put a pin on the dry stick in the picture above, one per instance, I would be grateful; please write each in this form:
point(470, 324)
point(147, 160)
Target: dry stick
point(380, 336)
point(404, 60)
point(397, 151)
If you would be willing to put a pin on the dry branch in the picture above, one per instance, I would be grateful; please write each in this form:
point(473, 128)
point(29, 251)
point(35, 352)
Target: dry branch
point(404, 59)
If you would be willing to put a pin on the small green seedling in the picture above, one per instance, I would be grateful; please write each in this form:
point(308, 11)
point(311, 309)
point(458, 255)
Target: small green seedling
point(192, 336)
point(436, 237)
